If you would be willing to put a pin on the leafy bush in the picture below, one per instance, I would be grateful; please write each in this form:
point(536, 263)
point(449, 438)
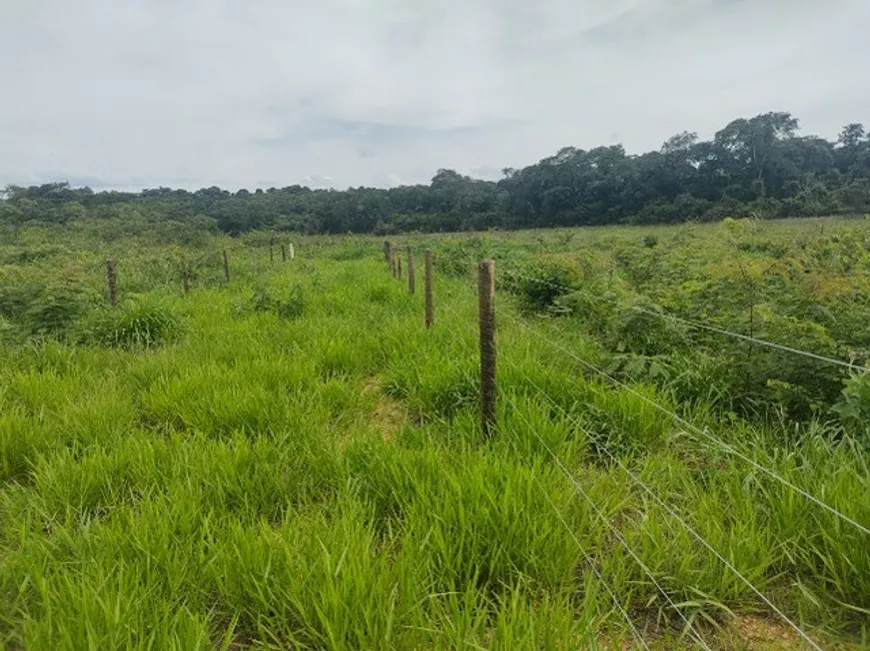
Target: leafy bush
point(854, 406)
point(144, 323)
point(290, 306)
point(541, 285)
point(57, 310)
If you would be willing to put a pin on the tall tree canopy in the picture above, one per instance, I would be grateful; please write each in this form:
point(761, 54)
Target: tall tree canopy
point(759, 165)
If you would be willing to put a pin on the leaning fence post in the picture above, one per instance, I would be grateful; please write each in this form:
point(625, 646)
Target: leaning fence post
point(226, 266)
point(412, 277)
point(427, 281)
point(486, 294)
point(112, 276)
point(185, 276)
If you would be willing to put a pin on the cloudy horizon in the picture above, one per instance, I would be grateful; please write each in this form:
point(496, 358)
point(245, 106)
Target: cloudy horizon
point(196, 93)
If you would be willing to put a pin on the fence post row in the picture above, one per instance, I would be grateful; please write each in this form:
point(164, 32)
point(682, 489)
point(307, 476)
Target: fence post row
point(486, 295)
point(427, 282)
point(185, 276)
point(412, 274)
point(112, 277)
point(226, 266)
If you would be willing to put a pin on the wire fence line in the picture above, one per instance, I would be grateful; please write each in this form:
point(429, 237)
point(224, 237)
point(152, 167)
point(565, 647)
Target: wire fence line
point(659, 501)
point(583, 551)
point(579, 488)
point(702, 326)
point(700, 432)
point(673, 514)
point(703, 433)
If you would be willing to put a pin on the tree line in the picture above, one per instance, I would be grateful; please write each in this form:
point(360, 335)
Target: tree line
point(757, 167)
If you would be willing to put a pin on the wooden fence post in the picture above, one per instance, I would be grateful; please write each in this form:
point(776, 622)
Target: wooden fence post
point(283, 253)
point(112, 276)
point(486, 294)
point(292, 251)
point(399, 264)
point(393, 260)
point(387, 247)
point(412, 274)
point(427, 281)
point(226, 266)
point(185, 276)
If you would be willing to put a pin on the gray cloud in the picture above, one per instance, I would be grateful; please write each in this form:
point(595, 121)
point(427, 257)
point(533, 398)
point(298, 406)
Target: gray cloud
point(347, 92)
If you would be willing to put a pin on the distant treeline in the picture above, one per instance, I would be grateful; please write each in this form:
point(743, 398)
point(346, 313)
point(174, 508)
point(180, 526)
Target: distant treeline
point(757, 166)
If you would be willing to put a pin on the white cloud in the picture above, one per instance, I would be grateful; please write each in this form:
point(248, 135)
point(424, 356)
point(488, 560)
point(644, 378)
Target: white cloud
point(244, 93)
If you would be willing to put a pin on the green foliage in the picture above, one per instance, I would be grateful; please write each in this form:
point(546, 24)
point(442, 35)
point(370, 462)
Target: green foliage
point(140, 322)
point(759, 167)
point(854, 405)
point(289, 305)
point(320, 480)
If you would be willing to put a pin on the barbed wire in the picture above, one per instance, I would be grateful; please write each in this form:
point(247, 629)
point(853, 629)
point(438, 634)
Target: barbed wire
point(589, 560)
point(670, 511)
point(700, 325)
point(579, 488)
point(697, 430)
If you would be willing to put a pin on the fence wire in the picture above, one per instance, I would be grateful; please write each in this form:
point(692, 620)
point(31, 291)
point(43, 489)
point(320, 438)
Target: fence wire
point(698, 325)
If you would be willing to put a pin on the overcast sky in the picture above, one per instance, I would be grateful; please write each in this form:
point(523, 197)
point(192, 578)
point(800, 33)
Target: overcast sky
point(260, 93)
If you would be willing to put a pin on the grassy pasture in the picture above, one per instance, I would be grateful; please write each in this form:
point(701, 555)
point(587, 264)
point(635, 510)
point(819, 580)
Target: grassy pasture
point(291, 460)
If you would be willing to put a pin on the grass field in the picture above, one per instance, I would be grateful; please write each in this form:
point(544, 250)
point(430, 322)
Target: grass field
point(291, 460)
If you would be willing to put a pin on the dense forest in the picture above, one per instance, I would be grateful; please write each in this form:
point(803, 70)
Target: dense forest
point(753, 167)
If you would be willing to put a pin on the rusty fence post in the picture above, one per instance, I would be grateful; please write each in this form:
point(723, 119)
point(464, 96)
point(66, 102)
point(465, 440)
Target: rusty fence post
point(486, 295)
point(412, 273)
point(428, 280)
point(185, 276)
point(112, 277)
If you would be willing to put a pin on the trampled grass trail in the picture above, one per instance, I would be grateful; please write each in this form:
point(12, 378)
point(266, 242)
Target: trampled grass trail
point(301, 467)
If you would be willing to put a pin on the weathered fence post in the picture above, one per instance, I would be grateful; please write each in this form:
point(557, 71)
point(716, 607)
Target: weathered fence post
point(486, 294)
point(226, 266)
point(412, 274)
point(427, 281)
point(283, 253)
point(387, 247)
point(112, 277)
point(292, 251)
point(185, 276)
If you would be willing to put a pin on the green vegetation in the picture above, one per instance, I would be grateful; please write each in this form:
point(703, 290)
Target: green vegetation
point(757, 167)
point(290, 460)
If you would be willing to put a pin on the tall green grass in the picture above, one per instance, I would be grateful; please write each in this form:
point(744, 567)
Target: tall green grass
point(299, 465)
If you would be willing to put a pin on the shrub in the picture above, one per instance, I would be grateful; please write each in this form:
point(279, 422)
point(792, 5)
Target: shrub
point(56, 311)
point(290, 306)
point(540, 286)
point(137, 323)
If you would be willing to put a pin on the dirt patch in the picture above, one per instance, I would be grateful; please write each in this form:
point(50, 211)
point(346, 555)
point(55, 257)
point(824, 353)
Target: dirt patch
point(746, 632)
point(388, 415)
